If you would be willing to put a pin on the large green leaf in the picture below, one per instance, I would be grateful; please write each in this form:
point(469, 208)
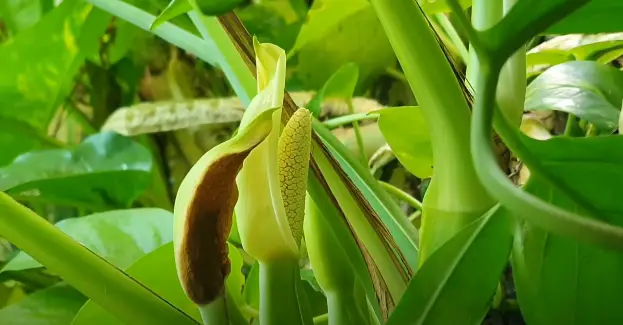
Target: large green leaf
point(597, 16)
point(119, 236)
point(561, 281)
point(406, 132)
point(37, 70)
point(155, 270)
point(338, 32)
point(457, 282)
point(106, 170)
point(558, 279)
point(56, 305)
point(589, 90)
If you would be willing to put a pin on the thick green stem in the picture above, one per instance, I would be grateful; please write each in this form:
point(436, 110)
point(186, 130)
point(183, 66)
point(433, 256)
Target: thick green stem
point(511, 88)
point(343, 311)
point(455, 196)
point(215, 313)
point(279, 303)
point(99, 280)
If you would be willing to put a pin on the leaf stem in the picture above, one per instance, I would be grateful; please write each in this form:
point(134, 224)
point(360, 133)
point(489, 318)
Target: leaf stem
point(214, 313)
point(335, 123)
point(402, 195)
point(116, 292)
point(358, 136)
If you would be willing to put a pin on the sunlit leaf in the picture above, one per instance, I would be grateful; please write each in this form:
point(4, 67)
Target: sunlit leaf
point(106, 170)
point(119, 236)
point(338, 32)
point(174, 9)
point(37, 71)
point(406, 132)
point(589, 90)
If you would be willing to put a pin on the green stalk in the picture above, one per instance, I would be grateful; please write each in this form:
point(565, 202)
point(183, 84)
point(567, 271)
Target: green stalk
point(348, 119)
point(511, 89)
point(455, 196)
point(345, 241)
point(278, 282)
point(342, 310)
point(214, 313)
point(99, 280)
point(402, 195)
point(358, 136)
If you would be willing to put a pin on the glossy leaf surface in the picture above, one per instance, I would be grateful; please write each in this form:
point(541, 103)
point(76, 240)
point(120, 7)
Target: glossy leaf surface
point(119, 236)
point(589, 90)
point(106, 170)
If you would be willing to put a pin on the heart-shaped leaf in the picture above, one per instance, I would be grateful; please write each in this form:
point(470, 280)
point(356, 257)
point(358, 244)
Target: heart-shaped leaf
point(106, 170)
point(589, 90)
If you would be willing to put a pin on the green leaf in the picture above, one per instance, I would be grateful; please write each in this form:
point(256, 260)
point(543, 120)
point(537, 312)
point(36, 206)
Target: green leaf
point(457, 282)
point(559, 280)
point(106, 170)
point(56, 305)
point(340, 85)
point(119, 236)
point(173, 9)
point(156, 271)
point(19, 15)
point(219, 7)
point(406, 132)
point(589, 90)
point(338, 32)
point(283, 26)
point(597, 16)
point(440, 6)
point(555, 275)
point(539, 61)
point(17, 137)
point(323, 16)
point(37, 71)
